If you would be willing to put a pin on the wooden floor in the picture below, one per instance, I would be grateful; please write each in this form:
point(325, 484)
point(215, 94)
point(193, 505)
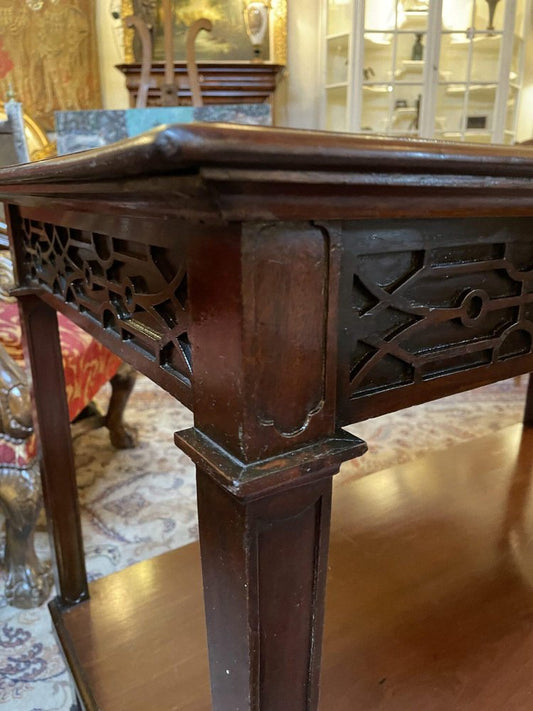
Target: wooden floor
point(429, 606)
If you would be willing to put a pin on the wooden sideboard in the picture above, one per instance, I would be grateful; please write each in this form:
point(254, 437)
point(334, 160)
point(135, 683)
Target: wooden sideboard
point(220, 82)
point(281, 284)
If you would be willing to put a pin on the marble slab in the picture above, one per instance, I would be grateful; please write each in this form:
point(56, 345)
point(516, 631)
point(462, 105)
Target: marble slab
point(81, 130)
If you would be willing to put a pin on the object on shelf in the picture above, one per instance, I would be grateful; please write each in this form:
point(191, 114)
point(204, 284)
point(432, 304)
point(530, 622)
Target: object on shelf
point(492, 7)
point(415, 123)
point(417, 53)
point(403, 114)
point(256, 23)
point(478, 122)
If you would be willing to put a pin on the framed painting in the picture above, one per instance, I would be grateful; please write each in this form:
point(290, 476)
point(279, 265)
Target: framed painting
point(227, 41)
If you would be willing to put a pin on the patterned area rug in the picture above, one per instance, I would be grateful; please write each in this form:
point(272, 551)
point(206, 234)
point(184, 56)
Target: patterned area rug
point(139, 503)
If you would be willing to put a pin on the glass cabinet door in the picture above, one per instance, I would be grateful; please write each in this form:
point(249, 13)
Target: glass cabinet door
point(481, 57)
point(449, 69)
point(338, 63)
point(394, 44)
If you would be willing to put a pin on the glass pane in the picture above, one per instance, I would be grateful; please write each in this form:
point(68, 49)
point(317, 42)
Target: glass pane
point(406, 99)
point(511, 111)
point(410, 52)
point(453, 65)
point(468, 18)
point(336, 102)
point(509, 119)
point(339, 16)
point(449, 109)
point(383, 15)
point(486, 59)
point(516, 58)
point(378, 58)
point(457, 17)
point(375, 112)
point(415, 15)
point(489, 15)
point(478, 118)
point(519, 18)
point(406, 113)
point(337, 60)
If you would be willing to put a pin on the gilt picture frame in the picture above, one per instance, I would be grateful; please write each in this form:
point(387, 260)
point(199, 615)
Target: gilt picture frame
point(228, 39)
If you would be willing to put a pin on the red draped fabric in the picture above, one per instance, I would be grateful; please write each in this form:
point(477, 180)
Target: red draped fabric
point(87, 365)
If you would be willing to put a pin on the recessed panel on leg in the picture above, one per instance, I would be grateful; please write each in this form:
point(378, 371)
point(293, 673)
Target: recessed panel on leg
point(264, 566)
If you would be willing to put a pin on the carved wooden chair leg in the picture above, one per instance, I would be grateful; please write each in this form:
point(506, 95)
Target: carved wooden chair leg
point(122, 436)
point(28, 580)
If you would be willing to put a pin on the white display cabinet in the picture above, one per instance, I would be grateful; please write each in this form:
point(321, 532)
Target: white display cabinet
point(448, 69)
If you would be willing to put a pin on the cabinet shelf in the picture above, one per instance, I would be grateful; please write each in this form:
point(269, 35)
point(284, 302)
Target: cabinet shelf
point(468, 134)
point(415, 66)
point(338, 85)
point(337, 36)
point(377, 88)
point(482, 92)
point(482, 41)
point(377, 40)
point(411, 66)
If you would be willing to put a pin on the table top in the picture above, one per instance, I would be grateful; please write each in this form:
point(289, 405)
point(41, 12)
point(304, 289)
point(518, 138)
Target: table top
point(258, 170)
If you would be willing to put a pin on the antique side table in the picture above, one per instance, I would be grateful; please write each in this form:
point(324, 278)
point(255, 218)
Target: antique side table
point(281, 284)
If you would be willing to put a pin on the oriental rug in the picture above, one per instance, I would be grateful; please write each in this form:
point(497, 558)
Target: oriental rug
point(139, 503)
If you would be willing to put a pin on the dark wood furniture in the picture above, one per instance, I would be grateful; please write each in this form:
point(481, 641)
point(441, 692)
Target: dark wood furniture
point(281, 284)
point(220, 82)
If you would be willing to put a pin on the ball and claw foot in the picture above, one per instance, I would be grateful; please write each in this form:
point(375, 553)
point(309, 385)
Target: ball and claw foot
point(28, 585)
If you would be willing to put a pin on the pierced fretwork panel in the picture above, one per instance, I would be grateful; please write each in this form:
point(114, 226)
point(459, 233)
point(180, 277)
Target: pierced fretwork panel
point(136, 290)
point(432, 299)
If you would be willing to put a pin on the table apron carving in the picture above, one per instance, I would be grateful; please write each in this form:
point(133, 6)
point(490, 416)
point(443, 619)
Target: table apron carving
point(430, 300)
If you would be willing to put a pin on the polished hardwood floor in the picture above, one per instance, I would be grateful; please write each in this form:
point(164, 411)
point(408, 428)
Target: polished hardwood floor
point(429, 601)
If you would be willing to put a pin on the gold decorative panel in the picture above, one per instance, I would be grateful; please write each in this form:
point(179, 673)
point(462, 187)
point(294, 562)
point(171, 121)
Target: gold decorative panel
point(52, 45)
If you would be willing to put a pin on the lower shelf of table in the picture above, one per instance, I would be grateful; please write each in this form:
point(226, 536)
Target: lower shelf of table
point(429, 604)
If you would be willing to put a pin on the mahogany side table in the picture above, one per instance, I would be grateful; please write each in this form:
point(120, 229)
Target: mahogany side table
point(281, 284)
